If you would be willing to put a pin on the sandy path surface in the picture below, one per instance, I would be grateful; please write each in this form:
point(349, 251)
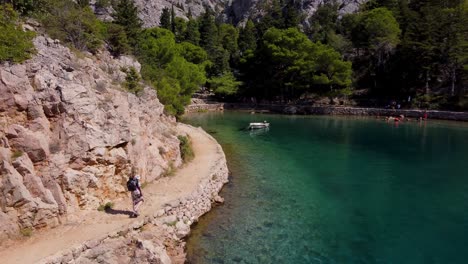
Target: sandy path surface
point(94, 224)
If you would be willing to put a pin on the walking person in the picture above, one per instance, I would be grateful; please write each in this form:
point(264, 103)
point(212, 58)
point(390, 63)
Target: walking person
point(133, 185)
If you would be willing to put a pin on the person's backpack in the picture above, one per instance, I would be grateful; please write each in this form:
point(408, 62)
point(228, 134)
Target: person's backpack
point(132, 184)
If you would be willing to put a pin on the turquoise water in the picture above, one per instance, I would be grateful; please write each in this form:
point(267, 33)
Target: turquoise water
point(337, 190)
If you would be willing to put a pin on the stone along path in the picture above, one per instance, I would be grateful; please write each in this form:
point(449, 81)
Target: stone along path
point(94, 224)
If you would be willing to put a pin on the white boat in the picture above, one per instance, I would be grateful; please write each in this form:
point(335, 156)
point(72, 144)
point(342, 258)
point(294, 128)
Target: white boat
point(259, 125)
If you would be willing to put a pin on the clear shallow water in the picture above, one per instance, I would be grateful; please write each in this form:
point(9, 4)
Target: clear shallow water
point(337, 190)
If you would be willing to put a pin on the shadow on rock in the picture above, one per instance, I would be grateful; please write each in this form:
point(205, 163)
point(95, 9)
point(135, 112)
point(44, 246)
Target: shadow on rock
point(115, 212)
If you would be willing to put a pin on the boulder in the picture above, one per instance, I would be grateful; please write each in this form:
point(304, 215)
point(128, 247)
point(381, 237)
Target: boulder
point(34, 144)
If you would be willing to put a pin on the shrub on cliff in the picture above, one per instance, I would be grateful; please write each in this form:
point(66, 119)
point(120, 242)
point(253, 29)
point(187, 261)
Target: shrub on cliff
point(73, 24)
point(15, 44)
point(186, 150)
point(132, 80)
point(117, 40)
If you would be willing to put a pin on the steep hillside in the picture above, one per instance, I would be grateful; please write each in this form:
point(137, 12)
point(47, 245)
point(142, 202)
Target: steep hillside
point(241, 10)
point(70, 135)
point(150, 10)
point(233, 10)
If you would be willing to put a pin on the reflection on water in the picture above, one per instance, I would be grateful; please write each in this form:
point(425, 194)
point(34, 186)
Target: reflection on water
point(337, 190)
point(258, 132)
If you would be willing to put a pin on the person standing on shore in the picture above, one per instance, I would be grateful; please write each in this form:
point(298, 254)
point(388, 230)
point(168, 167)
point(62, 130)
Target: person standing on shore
point(133, 185)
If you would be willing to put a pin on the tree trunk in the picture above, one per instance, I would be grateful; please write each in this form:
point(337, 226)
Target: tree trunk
point(454, 80)
point(427, 81)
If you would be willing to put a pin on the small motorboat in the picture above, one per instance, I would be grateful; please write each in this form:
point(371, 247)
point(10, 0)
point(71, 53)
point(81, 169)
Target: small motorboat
point(259, 125)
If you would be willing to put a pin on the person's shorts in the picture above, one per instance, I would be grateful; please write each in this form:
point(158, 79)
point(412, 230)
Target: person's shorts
point(136, 197)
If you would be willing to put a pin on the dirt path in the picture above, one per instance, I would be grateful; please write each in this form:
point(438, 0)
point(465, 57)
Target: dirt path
point(94, 224)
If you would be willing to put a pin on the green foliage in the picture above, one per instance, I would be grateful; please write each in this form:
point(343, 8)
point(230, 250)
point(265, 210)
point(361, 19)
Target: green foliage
point(291, 15)
point(381, 30)
point(103, 3)
point(27, 7)
point(168, 93)
point(190, 76)
point(193, 53)
point(293, 64)
point(228, 36)
point(157, 47)
point(165, 20)
point(248, 37)
point(192, 34)
point(15, 44)
point(105, 207)
point(272, 18)
point(172, 19)
point(176, 70)
point(224, 85)
point(132, 80)
point(78, 26)
point(116, 39)
point(16, 154)
point(186, 149)
point(208, 33)
point(180, 27)
point(126, 15)
point(220, 61)
point(26, 232)
point(323, 22)
point(82, 3)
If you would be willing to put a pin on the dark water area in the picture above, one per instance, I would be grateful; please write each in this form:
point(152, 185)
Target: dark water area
point(337, 190)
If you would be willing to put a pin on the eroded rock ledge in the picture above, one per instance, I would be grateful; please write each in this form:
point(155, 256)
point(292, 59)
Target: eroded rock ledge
point(157, 238)
point(69, 136)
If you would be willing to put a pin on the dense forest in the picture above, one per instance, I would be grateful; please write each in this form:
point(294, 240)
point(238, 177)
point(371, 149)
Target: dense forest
point(415, 52)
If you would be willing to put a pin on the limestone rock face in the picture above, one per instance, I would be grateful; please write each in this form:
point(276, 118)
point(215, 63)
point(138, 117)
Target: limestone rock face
point(237, 11)
point(241, 10)
point(69, 135)
point(150, 10)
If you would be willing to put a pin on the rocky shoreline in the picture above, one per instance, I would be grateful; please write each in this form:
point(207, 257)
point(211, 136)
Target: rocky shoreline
point(158, 238)
point(329, 110)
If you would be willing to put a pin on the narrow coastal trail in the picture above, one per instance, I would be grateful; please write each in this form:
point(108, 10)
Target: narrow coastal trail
point(93, 224)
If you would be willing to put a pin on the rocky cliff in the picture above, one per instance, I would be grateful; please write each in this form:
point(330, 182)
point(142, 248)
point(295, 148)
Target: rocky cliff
point(241, 10)
point(237, 11)
point(69, 136)
point(150, 10)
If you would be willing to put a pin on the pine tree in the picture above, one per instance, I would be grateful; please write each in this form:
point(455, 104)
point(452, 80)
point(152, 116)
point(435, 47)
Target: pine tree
point(192, 34)
point(247, 37)
point(117, 39)
point(165, 20)
point(208, 33)
point(180, 27)
point(272, 18)
point(323, 22)
point(126, 15)
point(291, 15)
point(82, 3)
point(173, 26)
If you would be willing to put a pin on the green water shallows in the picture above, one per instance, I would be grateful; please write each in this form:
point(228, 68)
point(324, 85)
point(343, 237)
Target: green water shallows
point(337, 190)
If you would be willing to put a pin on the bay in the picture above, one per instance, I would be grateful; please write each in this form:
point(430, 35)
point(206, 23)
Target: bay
point(320, 189)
